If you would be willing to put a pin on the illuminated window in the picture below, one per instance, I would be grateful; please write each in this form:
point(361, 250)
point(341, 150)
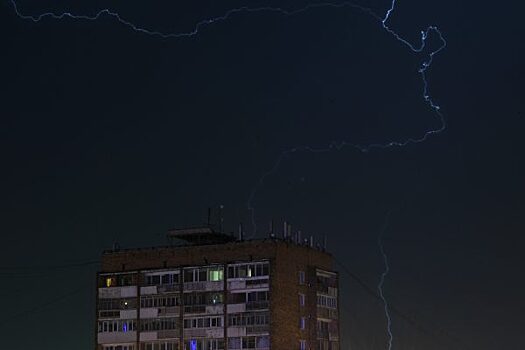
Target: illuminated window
point(110, 281)
point(302, 323)
point(216, 275)
point(302, 344)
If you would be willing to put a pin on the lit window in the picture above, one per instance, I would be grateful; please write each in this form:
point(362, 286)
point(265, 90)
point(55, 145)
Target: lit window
point(216, 275)
point(302, 323)
point(110, 282)
point(302, 344)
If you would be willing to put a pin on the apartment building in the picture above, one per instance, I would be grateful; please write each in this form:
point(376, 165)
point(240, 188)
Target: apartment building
point(211, 291)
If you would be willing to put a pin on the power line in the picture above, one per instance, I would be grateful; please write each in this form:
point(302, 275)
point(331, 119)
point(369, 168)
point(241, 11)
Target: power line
point(405, 316)
point(41, 307)
point(20, 269)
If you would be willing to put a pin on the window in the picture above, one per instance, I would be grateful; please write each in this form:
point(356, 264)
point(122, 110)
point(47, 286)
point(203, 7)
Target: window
point(327, 301)
point(153, 280)
point(159, 324)
point(302, 277)
point(215, 274)
point(263, 342)
point(236, 298)
point(203, 322)
point(302, 299)
point(302, 344)
point(188, 276)
point(248, 270)
point(234, 343)
point(302, 323)
point(159, 301)
point(162, 345)
point(248, 319)
point(118, 347)
point(116, 326)
point(203, 275)
point(248, 343)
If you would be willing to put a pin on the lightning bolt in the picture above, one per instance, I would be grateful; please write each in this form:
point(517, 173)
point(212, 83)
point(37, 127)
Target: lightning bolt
point(382, 282)
point(333, 146)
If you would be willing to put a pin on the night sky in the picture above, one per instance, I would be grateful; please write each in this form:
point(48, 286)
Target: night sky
point(108, 135)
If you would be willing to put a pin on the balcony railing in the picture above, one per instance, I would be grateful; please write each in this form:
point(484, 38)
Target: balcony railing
point(323, 312)
point(250, 330)
point(194, 309)
point(168, 333)
point(256, 283)
point(171, 310)
point(257, 305)
point(167, 288)
point(109, 314)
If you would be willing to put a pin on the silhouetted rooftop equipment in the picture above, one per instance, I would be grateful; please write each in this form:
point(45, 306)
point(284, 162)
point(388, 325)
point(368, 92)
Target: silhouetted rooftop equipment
point(199, 236)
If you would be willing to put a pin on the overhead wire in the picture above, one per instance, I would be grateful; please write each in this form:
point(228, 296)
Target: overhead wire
point(401, 314)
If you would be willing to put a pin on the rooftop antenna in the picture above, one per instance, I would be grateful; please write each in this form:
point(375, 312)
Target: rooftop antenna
point(116, 246)
point(271, 229)
point(221, 207)
point(311, 241)
point(241, 234)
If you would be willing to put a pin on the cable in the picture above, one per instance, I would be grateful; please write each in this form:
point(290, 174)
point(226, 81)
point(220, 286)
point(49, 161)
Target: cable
point(14, 270)
point(410, 320)
point(39, 308)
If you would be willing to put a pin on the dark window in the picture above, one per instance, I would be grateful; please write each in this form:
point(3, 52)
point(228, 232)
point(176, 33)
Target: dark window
point(188, 276)
point(202, 275)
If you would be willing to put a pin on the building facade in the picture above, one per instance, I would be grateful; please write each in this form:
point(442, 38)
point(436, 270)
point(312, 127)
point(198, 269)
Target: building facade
point(217, 293)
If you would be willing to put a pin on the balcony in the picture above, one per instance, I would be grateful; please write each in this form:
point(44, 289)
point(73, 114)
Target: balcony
point(168, 288)
point(257, 305)
point(116, 337)
point(194, 309)
point(117, 292)
point(168, 334)
point(261, 329)
point(109, 314)
point(326, 313)
point(150, 290)
point(195, 333)
point(150, 312)
point(236, 331)
point(204, 286)
point(236, 308)
point(248, 283)
point(215, 309)
point(169, 311)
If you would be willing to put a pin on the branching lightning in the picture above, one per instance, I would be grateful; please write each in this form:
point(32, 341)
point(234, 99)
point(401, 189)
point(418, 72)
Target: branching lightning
point(425, 65)
point(333, 146)
point(230, 13)
point(199, 26)
point(382, 282)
